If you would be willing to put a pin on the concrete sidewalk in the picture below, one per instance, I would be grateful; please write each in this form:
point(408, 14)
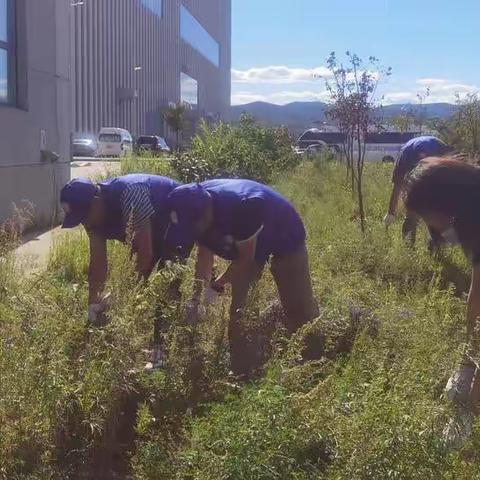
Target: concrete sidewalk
point(32, 255)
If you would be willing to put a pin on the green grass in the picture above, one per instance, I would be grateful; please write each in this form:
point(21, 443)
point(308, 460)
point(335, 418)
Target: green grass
point(371, 409)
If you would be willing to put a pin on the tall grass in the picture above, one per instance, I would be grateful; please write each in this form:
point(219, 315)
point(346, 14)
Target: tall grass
point(76, 401)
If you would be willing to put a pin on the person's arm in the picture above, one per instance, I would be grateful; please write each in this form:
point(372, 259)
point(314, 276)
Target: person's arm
point(143, 246)
point(203, 271)
point(242, 265)
point(98, 268)
point(395, 197)
point(249, 220)
point(473, 309)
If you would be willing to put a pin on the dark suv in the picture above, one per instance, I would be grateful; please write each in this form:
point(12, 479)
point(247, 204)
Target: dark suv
point(151, 143)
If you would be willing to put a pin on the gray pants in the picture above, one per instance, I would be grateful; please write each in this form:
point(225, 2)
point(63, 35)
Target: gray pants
point(292, 277)
point(409, 232)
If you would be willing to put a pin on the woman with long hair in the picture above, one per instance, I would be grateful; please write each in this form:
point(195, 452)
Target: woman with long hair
point(445, 193)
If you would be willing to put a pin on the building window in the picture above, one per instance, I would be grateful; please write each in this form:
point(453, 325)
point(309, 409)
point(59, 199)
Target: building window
point(155, 6)
point(188, 91)
point(7, 57)
point(194, 34)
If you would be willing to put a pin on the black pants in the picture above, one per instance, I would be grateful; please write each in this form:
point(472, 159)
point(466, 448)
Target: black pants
point(409, 232)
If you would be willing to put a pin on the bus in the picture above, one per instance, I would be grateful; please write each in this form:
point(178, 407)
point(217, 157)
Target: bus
point(380, 147)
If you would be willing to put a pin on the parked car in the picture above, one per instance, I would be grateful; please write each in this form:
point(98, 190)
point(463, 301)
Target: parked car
point(152, 143)
point(315, 149)
point(114, 142)
point(84, 145)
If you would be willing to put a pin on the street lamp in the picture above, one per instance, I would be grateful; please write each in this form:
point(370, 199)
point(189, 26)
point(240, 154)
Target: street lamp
point(135, 108)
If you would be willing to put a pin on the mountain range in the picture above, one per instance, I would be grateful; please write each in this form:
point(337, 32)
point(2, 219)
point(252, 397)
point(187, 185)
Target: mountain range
point(301, 115)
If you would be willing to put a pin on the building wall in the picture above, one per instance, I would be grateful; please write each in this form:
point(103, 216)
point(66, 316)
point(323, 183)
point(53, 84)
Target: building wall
point(43, 104)
point(112, 37)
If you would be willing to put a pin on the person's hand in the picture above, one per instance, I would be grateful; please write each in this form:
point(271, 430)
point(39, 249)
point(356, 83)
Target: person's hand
point(459, 386)
point(389, 219)
point(95, 310)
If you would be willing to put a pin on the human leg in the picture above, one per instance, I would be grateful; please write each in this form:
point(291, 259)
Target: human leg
point(240, 358)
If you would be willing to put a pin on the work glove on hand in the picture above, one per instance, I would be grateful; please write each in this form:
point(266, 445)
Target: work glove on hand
point(95, 310)
point(389, 219)
point(459, 385)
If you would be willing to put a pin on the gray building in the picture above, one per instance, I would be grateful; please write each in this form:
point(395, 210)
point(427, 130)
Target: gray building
point(135, 57)
point(35, 104)
point(78, 65)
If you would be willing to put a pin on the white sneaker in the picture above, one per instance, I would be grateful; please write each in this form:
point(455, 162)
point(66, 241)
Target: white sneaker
point(459, 384)
point(458, 429)
point(158, 358)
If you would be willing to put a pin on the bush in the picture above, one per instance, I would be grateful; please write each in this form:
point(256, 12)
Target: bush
point(246, 150)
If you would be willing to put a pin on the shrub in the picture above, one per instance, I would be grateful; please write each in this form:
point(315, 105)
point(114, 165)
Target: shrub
point(246, 150)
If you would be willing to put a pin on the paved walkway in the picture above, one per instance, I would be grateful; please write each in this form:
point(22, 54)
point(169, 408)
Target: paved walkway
point(32, 255)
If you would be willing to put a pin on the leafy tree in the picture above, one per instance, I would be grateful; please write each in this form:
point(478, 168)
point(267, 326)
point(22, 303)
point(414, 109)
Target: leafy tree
point(462, 130)
point(175, 118)
point(403, 121)
point(352, 106)
point(418, 111)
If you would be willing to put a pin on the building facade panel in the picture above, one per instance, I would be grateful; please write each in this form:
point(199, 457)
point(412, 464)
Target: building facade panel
point(129, 72)
point(38, 121)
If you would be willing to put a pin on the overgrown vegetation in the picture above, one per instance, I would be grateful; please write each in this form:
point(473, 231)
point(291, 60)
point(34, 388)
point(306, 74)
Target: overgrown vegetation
point(246, 150)
point(76, 403)
point(352, 88)
point(463, 130)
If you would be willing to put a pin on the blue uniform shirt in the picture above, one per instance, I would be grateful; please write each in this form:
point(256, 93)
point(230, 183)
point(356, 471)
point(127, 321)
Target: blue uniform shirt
point(241, 209)
point(413, 152)
point(133, 199)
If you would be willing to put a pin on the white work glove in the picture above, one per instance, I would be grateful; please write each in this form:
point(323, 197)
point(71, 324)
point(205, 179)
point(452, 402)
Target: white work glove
point(96, 309)
point(210, 296)
point(389, 219)
point(459, 386)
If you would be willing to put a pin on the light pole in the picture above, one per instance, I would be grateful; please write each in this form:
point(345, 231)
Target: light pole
point(135, 108)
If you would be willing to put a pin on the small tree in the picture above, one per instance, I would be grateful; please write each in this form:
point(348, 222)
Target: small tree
point(352, 106)
point(467, 123)
point(418, 111)
point(175, 118)
point(403, 122)
point(462, 130)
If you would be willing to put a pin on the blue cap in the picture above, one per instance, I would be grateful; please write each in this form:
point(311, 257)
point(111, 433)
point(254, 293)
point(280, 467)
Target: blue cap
point(76, 198)
point(187, 204)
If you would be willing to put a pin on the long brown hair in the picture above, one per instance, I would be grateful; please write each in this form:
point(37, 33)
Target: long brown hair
point(450, 187)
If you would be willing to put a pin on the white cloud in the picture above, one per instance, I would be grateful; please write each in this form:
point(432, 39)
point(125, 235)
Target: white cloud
point(399, 97)
point(239, 98)
point(269, 84)
point(280, 97)
point(441, 90)
point(279, 75)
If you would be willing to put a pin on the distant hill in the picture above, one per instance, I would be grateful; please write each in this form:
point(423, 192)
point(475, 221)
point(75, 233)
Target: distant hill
point(300, 115)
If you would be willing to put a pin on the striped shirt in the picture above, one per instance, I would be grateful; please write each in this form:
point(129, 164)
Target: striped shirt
point(136, 205)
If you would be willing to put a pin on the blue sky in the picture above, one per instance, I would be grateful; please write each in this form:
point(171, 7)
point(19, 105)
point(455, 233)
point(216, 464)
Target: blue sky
point(279, 44)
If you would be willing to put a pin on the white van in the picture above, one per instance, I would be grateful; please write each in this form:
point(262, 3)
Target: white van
point(114, 142)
